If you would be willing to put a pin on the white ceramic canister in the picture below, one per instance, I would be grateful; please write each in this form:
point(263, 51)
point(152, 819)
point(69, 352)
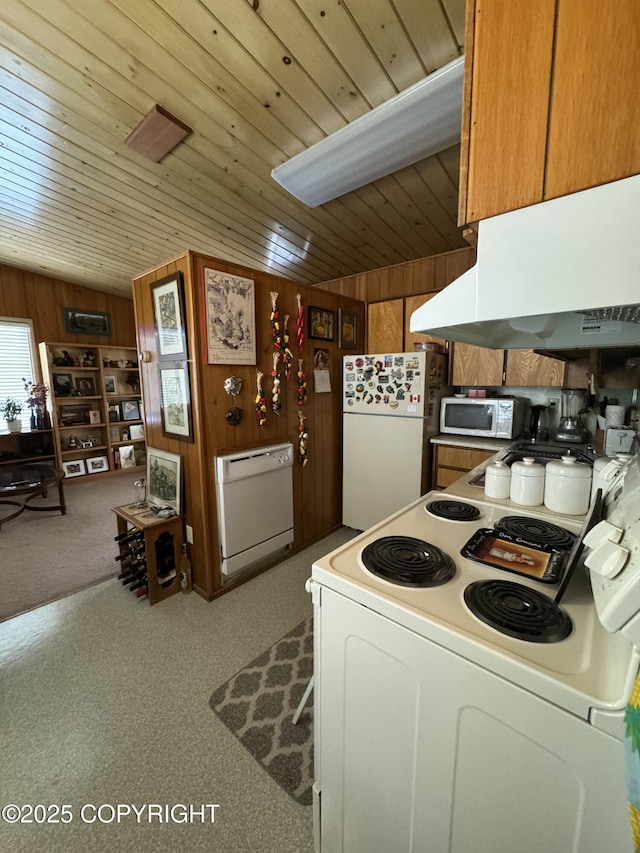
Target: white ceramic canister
point(527, 482)
point(497, 480)
point(567, 487)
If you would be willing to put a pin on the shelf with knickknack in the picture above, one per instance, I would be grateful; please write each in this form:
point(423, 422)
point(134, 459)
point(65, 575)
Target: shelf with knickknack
point(93, 390)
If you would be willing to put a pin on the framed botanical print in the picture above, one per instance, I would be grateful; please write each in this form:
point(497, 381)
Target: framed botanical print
point(164, 484)
point(320, 323)
point(230, 322)
point(168, 310)
point(175, 401)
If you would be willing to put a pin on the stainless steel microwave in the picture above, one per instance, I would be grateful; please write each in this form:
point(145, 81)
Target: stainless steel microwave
point(492, 417)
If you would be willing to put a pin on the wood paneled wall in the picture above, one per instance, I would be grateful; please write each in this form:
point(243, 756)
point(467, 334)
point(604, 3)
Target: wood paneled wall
point(41, 299)
point(317, 486)
point(421, 276)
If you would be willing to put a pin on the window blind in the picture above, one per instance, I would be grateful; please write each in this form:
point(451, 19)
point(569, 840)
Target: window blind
point(16, 357)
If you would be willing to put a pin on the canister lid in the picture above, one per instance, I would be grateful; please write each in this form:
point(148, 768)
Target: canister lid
point(568, 466)
point(528, 467)
point(498, 469)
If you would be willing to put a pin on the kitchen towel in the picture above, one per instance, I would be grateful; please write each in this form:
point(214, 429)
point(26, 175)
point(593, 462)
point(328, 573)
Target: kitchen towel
point(632, 758)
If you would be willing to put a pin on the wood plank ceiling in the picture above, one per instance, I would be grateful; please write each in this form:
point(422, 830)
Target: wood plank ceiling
point(258, 81)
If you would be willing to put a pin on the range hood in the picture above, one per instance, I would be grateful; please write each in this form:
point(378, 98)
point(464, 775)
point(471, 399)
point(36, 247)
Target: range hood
point(564, 273)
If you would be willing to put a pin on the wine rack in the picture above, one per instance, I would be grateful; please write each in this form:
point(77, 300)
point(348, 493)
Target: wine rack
point(149, 552)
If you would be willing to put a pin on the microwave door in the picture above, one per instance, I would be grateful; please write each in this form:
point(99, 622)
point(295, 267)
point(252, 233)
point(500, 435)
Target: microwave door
point(469, 419)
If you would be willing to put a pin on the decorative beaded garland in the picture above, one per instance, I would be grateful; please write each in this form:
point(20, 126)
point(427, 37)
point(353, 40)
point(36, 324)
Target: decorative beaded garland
point(302, 384)
point(287, 355)
point(276, 403)
point(261, 403)
point(303, 437)
point(300, 323)
point(275, 320)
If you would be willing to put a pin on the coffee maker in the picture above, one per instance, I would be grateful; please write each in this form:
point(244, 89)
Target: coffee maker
point(572, 404)
point(539, 423)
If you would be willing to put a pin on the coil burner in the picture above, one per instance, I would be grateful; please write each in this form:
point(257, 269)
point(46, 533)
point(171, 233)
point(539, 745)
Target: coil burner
point(407, 561)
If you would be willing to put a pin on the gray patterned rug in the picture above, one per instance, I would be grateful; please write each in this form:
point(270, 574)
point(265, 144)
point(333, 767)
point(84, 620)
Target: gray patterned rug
point(258, 705)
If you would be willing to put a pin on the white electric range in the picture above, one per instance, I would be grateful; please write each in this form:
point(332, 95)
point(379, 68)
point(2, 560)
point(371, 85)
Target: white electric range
point(436, 731)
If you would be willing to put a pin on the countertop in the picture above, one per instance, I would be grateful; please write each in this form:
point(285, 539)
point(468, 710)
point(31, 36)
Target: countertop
point(474, 441)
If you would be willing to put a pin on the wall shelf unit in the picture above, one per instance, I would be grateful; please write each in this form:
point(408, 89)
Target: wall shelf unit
point(97, 410)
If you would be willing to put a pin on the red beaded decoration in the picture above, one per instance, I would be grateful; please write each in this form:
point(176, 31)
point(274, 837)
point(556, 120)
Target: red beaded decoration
point(261, 403)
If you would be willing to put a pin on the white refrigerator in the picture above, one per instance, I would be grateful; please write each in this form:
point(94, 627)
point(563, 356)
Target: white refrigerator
point(391, 408)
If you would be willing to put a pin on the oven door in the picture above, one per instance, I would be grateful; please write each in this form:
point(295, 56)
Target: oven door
point(420, 749)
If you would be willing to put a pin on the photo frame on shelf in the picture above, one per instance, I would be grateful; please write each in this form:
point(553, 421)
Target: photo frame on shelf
point(96, 464)
point(321, 323)
point(62, 384)
point(164, 483)
point(85, 386)
point(79, 321)
point(168, 312)
point(136, 432)
point(175, 401)
point(127, 456)
point(74, 468)
point(114, 413)
point(74, 415)
point(110, 384)
point(130, 410)
point(95, 416)
point(230, 318)
point(347, 329)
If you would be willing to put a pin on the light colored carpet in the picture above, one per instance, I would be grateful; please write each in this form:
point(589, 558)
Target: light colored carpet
point(45, 556)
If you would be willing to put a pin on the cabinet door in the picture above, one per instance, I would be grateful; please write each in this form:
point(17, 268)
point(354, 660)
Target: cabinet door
point(411, 304)
point(595, 112)
point(476, 365)
point(507, 113)
point(527, 368)
point(385, 326)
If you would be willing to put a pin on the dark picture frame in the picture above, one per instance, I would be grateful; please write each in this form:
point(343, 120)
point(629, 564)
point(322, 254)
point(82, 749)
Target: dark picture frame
point(321, 322)
point(79, 321)
point(74, 415)
point(347, 329)
point(130, 410)
point(62, 384)
point(85, 386)
point(175, 401)
point(168, 313)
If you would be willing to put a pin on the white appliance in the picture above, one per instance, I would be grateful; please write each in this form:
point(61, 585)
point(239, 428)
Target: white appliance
point(436, 731)
point(562, 273)
point(254, 492)
point(390, 404)
point(492, 417)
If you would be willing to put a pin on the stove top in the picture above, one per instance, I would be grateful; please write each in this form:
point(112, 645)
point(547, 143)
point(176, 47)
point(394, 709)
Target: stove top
point(453, 510)
point(580, 667)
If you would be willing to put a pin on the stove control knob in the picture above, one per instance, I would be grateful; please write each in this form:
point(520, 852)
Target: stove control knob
point(608, 559)
point(602, 532)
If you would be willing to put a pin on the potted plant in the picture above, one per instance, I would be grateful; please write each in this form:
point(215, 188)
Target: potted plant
point(10, 409)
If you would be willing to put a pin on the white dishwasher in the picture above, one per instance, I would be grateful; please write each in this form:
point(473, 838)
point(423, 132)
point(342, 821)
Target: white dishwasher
point(254, 490)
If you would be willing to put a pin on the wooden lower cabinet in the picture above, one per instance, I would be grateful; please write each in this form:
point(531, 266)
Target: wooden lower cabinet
point(451, 462)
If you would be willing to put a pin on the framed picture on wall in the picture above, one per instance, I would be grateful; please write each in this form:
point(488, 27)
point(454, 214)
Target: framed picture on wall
point(168, 312)
point(79, 321)
point(347, 329)
point(230, 322)
point(320, 323)
point(175, 401)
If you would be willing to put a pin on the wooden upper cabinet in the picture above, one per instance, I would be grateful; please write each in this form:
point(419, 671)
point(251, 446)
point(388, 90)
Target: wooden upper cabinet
point(595, 107)
point(527, 368)
point(385, 326)
point(475, 366)
point(550, 101)
point(411, 304)
point(509, 72)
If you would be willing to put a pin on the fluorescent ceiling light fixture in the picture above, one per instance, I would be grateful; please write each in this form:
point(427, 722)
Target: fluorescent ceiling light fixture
point(422, 120)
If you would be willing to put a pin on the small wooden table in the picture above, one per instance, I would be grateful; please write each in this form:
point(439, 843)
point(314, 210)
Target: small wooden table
point(27, 482)
point(163, 532)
